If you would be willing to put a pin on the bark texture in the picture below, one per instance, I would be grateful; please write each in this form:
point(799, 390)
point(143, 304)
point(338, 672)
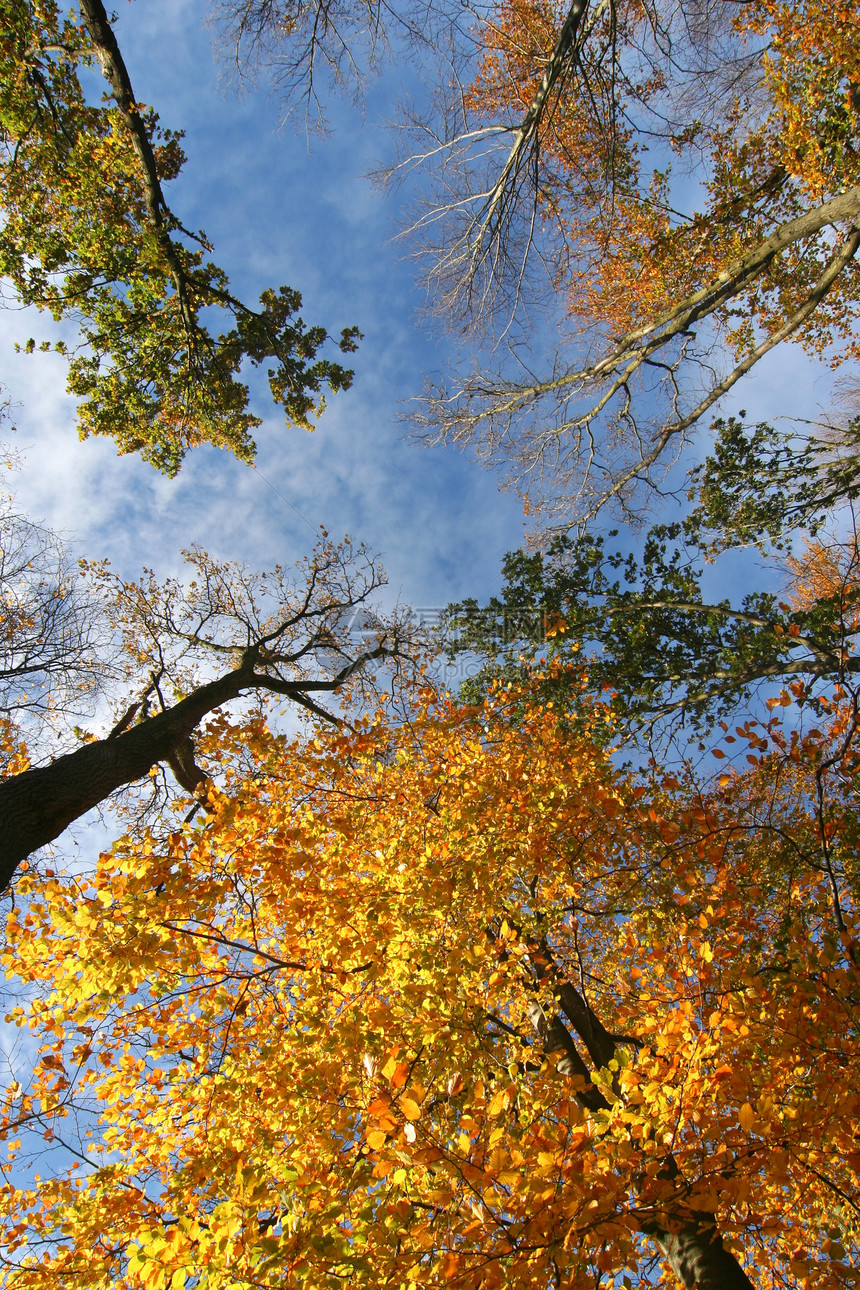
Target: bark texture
point(699, 1259)
point(695, 1251)
point(37, 805)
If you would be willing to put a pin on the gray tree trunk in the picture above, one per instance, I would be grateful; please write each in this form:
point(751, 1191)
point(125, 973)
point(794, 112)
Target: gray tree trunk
point(37, 805)
point(695, 1252)
point(699, 1259)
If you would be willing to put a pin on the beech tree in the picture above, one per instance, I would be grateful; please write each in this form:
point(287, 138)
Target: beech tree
point(642, 625)
point(264, 635)
point(88, 235)
point(769, 255)
point(535, 143)
point(452, 1003)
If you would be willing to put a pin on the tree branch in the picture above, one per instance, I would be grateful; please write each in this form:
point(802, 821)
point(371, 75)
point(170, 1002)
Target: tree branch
point(37, 805)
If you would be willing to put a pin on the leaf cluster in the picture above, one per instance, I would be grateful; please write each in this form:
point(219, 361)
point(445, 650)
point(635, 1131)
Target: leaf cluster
point(88, 236)
point(759, 486)
point(639, 626)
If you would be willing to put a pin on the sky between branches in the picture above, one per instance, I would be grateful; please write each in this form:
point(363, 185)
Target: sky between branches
point(282, 208)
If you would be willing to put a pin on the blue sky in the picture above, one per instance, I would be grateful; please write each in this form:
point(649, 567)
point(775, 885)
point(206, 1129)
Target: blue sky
point(279, 210)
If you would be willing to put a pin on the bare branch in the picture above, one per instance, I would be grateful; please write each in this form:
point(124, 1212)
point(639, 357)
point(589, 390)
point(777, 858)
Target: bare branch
point(579, 424)
point(284, 638)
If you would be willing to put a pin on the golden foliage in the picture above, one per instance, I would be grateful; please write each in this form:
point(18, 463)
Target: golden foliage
point(782, 136)
point(298, 1041)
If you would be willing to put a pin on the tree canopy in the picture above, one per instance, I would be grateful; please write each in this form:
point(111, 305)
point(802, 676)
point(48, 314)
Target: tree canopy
point(556, 149)
point(88, 235)
point(452, 1003)
point(641, 624)
point(762, 100)
point(476, 990)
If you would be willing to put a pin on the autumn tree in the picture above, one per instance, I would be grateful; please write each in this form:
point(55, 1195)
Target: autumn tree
point(187, 650)
point(535, 140)
point(451, 1003)
point(769, 255)
point(88, 235)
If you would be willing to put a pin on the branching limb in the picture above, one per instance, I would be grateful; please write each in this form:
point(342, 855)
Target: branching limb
point(228, 607)
point(577, 427)
point(690, 1241)
point(115, 71)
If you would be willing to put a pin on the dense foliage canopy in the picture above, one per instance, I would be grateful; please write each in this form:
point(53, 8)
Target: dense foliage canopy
point(87, 234)
point(649, 636)
point(451, 1002)
point(489, 990)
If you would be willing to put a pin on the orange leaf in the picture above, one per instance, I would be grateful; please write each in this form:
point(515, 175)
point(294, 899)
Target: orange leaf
point(451, 1264)
point(399, 1075)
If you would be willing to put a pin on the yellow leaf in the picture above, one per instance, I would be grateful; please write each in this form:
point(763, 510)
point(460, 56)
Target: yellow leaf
point(390, 1066)
point(450, 1265)
point(498, 1104)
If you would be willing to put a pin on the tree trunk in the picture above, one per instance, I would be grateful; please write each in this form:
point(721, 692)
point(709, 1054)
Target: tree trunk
point(695, 1252)
point(37, 805)
point(699, 1259)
